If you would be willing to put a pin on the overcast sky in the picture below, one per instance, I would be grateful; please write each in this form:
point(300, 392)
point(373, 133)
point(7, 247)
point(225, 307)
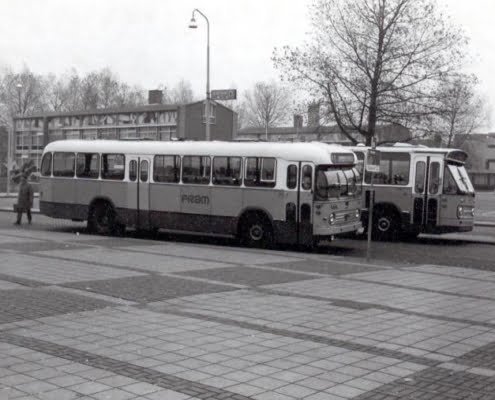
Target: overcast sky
point(147, 42)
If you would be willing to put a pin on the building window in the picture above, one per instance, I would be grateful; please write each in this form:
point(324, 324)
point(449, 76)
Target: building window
point(87, 165)
point(113, 166)
point(166, 169)
point(196, 169)
point(227, 171)
point(63, 164)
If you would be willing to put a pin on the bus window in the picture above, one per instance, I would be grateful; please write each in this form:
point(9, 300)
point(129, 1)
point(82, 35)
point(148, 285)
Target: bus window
point(133, 170)
point(268, 170)
point(143, 176)
point(63, 164)
point(227, 171)
point(166, 169)
point(307, 174)
point(419, 180)
point(434, 180)
point(87, 165)
point(292, 176)
point(46, 165)
point(260, 172)
point(394, 169)
point(112, 167)
point(196, 169)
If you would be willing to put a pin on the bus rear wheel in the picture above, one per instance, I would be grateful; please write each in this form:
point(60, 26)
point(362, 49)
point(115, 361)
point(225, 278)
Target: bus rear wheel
point(102, 219)
point(385, 225)
point(256, 231)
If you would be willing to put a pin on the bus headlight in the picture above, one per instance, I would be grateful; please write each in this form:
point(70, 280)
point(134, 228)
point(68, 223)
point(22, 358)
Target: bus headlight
point(358, 214)
point(331, 218)
point(460, 211)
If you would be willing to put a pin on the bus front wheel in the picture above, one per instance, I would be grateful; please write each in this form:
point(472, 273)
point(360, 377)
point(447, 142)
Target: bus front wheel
point(385, 225)
point(101, 219)
point(256, 231)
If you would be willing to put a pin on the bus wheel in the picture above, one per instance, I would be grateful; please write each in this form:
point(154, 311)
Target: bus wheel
point(385, 225)
point(101, 219)
point(256, 231)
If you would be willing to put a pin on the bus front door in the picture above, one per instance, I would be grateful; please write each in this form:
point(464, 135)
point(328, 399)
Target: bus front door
point(138, 195)
point(426, 193)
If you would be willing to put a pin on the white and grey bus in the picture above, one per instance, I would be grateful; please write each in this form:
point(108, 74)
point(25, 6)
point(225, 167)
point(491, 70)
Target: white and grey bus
point(418, 190)
point(262, 193)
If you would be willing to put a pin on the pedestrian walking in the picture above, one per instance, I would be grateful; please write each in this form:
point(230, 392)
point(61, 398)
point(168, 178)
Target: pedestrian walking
point(24, 200)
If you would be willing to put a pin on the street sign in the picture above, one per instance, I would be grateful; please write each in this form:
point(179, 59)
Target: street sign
point(227, 94)
point(373, 161)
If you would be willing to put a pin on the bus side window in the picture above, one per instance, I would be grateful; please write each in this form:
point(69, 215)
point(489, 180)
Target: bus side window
point(64, 164)
point(46, 165)
point(292, 176)
point(113, 167)
point(166, 169)
point(133, 170)
point(434, 184)
point(260, 172)
point(196, 169)
point(307, 175)
point(87, 165)
point(419, 180)
point(227, 171)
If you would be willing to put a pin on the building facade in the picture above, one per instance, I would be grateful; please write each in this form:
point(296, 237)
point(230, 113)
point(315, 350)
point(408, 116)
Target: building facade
point(154, 121)
point(327, 134)
point(481, 158)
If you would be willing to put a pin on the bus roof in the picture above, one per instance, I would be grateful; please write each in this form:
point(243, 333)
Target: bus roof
point(407, 149)
point(316, 152)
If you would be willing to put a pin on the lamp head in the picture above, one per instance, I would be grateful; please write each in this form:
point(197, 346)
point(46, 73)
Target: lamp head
point(192, 23)
point(19, 86)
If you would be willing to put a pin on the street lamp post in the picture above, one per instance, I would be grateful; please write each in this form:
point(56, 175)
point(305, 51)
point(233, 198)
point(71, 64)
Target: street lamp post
point(194, 25)
point(10, 136)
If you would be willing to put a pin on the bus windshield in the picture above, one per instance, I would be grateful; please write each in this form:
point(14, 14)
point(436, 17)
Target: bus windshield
point(334, 182)
point(456, 180)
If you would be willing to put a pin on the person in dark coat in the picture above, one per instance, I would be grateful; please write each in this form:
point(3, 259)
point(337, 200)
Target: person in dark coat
point(24, 200)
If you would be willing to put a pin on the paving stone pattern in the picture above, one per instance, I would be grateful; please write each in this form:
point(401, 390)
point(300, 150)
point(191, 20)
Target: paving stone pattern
point(248, 276)
point(435, 384)
point(136, 373)
point(325, 267)
point(250, 362)
point(53, 375)
point(144, 289)
point(52, 271)
point(21, 304)
point(483, 357)
point(407, 334)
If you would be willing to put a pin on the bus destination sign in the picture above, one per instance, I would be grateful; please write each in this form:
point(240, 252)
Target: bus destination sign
point(226, 94)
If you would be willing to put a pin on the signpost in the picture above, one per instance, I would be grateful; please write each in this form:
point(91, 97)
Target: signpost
point(372, 166)
point(226, 94)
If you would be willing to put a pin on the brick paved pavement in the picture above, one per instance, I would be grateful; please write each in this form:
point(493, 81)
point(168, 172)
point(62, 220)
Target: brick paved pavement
point(91, 317)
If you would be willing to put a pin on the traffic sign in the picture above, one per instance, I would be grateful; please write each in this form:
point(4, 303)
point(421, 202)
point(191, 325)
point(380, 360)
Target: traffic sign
point(226, 94)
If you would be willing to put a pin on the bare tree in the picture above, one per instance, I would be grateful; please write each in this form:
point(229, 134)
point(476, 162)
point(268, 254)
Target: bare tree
point(266, 105)
point(462, 109)
point(375, 61)
point(182, 93)
point(21, 93)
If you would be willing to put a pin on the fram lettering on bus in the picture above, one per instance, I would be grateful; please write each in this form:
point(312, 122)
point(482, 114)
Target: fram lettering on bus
point(195, 199)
